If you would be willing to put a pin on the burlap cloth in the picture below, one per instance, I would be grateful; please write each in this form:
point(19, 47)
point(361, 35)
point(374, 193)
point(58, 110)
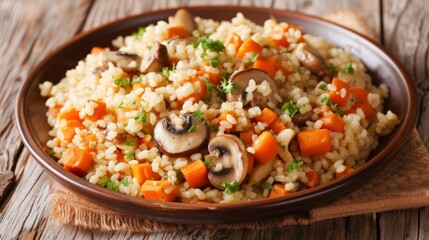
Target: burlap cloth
point(402, 184)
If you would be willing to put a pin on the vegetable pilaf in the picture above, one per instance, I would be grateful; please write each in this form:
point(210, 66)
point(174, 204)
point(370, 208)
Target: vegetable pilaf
point(200, 111)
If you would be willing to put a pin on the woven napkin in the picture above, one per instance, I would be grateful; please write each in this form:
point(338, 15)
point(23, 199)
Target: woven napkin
point(400, 185)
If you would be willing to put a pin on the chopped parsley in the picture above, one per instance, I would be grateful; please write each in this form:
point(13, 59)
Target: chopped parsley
point(129, 156)
point(112, 185)
point(212, 127)
point(198, 115)
point(332, 69)
point(137, 79)
point(121, 105)
point(271, 131)
point(131, 142)
point(335, 107)
point(209, 44)
point(299, 70)
point(123, 82)
point(227, 75)
point(209, 85)
point(267, 185)
point(294, 165)
point(166, 72)
point(322, 86)
point(214, 62)
point(137, 35)
point(290, 107)
point(193, 128)
point(141, 116)
point(348, 69)
point(231, 187)
point(103, 182)
point(179, 175)
point(126, 182)
point(227, 87)
point(207, 162)
point(92, 144)
point(52, 152)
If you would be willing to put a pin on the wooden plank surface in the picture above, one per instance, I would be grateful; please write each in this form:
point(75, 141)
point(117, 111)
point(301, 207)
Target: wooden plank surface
point(33, 28)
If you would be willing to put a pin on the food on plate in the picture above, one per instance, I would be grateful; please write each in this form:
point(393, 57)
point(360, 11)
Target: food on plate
point(200, 111)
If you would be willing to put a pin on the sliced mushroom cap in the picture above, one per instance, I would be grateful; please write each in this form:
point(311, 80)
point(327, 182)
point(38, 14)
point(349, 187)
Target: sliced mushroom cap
point(311, 59)
point(284, 138)
point(184, 19)
point(156, 60)
point(242, 78)
point(179, 142)
point(129, 62)
point(123, 141)
point(229, 160)
point(301, 118)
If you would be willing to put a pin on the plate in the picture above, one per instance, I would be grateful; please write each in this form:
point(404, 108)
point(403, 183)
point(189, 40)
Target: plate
point(30, 115)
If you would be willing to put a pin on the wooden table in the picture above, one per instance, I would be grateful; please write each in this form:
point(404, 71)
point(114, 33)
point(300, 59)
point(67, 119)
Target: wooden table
point(30, 29)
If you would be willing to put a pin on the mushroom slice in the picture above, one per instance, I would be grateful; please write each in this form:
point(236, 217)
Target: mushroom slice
point(129, 62)
point(176, 141)
point(261, 171)
point(242, 78)
point(184, 19)
point(311, 59)
point(125, 141)
point(156, 60)
point(284, 138)
point(229, 160)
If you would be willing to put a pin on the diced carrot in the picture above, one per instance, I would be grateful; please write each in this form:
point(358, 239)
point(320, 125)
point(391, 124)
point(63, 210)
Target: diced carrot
point(246, 137)
point(234, 39)
point(121, 117)
point(70, 114)
point(266, 64)
point(251, 163)
point(284, 69)
point(223, 117)
point(366, 108)
point(90, 142)
point(279, 42)
point(195, 174)
point(333, 122)
point(360, 94)
point(77, 161)
point(278, 191)
point(266, 147)
point(267, 116)
point(199, 91)
point(97, 50)
point(313, 179)
point(343, 173)
point(277, 125)
point(159, 190)
point(178, 31)
point(335, 96)
point(323, 109)
point(249, 46)
point(69, 129)
point(54, 111)
point(212, 77)
point(119, 156)
point(314, 142)
point(143, 172)
point(99, 111)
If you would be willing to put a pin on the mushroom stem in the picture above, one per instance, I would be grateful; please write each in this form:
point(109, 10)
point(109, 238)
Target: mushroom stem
point(284, 138)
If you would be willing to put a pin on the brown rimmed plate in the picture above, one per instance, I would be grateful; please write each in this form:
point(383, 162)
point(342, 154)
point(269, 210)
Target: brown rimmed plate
point(30, 115)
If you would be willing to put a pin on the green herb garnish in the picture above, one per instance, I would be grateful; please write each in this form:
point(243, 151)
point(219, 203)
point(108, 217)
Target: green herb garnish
point(126, 182)
point(231, 187)
point(193, 128)
point(332, 69)
point(214, 62)
point(198, 115)
point(123, 82)
point(129, 156)
point(112, 185)
point(267, 185)
point(227, 87)
point(207, 162)
point(334, 107)
point(294, 165)
point(322, 86)
point(137, 35)
point(166, 72)
point(141, 116)
point(299, 70)
point(348, 69)
point(208, 44)
point(213, 127)
point(52, 152)
point(104, 181)
point(121, 105)
point(290, 107)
